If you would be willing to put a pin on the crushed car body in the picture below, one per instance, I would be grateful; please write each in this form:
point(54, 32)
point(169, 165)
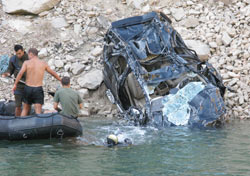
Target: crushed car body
point(154, 78)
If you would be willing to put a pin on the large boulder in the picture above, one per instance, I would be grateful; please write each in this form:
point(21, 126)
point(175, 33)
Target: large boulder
point(28, 6)
point(91, 80)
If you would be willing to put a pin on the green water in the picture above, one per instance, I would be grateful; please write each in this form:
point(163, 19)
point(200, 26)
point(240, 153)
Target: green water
point(172, 151)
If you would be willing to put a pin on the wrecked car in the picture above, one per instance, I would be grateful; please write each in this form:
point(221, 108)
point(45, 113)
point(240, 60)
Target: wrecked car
point(154, 78)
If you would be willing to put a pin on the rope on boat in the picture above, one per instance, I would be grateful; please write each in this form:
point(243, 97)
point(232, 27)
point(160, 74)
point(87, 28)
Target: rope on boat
point(37, 116)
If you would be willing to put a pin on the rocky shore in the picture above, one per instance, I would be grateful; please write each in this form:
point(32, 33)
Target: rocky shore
point(69, 35)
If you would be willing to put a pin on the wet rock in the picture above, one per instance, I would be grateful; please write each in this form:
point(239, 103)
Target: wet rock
point(59, 22)
point(77, 68)
point(28, 6)
point(201, 49)
point(43, 53)
point(91, 80)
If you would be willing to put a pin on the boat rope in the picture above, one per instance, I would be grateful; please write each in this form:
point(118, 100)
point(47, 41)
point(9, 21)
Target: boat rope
point(36, 115)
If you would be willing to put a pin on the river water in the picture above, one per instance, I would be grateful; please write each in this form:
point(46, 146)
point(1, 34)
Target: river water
point(170, 151)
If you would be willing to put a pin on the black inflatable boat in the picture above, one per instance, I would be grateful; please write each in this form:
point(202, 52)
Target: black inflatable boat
point(42, 126)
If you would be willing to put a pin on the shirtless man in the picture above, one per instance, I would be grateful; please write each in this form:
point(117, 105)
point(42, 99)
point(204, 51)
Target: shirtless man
point(33, 91)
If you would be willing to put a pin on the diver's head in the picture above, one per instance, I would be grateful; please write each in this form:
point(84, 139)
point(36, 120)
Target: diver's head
point(112, 139)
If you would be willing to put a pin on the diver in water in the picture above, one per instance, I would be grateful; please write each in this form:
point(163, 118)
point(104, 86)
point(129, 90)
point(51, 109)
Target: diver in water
point(112, 140)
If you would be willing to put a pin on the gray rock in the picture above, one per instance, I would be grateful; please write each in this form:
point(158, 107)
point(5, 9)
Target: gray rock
point(103, 22)
point(59, 22)
point(91, 80)
point(135, 3)
point(178, 13)
point(227, 2)
point(58, 63)
point(146, 9)
point(201, 49)
point(69, 58)
point(77, 68)
point(213, 44)
point(92, 30)
point(97, 51)
point(166, 12)
point(28, 6)
point(84, 93)
point(191, 22)
point(226, 39)
point(43, 53)
point(77, 28)
point(22, 26)
point(233, 75)
point(67, 67)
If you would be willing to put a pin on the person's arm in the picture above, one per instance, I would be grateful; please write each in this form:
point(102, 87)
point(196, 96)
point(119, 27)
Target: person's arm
point(53, 73)
point(20, 74)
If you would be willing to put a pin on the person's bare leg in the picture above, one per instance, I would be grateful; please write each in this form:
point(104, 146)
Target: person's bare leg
point(38, 108)
point(18, 111)
point(26, 109)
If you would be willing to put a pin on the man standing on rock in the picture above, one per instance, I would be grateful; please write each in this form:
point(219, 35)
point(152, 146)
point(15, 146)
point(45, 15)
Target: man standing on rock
point(69, 99)
point(33, 91)
point(14, 67)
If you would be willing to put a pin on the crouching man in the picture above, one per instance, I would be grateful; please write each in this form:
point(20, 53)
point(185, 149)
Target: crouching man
point(69, 99)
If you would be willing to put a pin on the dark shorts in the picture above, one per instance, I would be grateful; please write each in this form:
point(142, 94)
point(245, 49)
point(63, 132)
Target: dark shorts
point(33, 95)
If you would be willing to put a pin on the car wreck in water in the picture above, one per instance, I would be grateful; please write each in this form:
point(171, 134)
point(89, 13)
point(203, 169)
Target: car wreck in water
point(154, 78)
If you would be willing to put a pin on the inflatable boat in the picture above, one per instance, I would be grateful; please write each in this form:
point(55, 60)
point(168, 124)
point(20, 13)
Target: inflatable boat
point(42, 126)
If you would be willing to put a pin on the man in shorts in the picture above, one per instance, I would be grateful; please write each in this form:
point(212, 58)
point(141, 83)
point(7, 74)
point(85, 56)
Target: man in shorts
point(14, 67)
point(33, 90)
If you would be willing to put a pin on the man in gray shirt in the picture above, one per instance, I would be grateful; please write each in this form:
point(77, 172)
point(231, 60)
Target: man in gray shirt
point(69, 99)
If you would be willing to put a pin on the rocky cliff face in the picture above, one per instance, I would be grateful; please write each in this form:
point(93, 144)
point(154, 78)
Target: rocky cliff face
point(69, 35)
